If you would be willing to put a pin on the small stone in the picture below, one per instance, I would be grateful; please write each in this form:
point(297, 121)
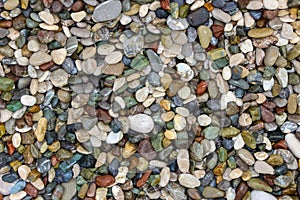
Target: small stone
point(260, 32)
point(107, 10)
point(39, 58)
point(246, 156)
point(28, 100)
point(188, 181)
point(221, 15)
point(104, 180)
point(205, 35)
point(270, 4)
point(59, 78)
point(183, 160)
point(211, 192)
point(261, 195)
point(11, 4)
point(263, 167)
point(59, 56)
point(141, 123)
point(41, 129)
point(179, 122)
point(198, 17)
point(293, 144)
point(114, 138)
point(114, 57)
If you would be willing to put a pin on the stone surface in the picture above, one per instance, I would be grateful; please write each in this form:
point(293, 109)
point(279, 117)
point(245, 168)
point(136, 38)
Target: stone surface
point(108, 10)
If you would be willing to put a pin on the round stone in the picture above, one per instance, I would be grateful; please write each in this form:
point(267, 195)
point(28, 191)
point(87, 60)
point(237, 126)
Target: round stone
point(114, 57)
point(28, 100)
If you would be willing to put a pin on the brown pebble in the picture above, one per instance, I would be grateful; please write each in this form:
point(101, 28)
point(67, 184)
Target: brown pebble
point(77, 6)
point(267, 115)
point(20, 123)
point(104, 116)
point(5, 24)
point(143, 179)
point(280, 145)
point(218, 30)
point(92, 190)
point(105, 180)
point(46, 66)
point(201, 88)
point(31, 190)
point(165, 4)
point(241, 190)
point(19, 22)
point(261, 23)
point(270, 14)
point(269, 179)
point(28, 119)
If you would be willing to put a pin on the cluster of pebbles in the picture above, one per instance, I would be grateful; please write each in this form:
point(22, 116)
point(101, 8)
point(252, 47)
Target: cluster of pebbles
point(148, 99)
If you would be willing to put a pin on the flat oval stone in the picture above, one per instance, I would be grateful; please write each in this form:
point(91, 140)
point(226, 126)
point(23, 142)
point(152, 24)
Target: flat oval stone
point(141, 123)
point(188, 180)
point(114, 57)
point(293, 144)
point(198, 17)
point(205, 35)
point(107, 10)
point(263, 168)
point(261, 195)
point(28, 100)
point(211, 192)
point(39, 58)
point(260, 32)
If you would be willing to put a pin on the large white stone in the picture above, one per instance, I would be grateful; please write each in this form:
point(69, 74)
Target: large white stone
point(141, 123)
point(260, 195)
point(293, 144)
point(188, 181)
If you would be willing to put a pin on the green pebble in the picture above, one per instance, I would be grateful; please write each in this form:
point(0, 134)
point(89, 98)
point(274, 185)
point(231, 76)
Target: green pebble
point(174, 10)
point(220, 63)
point(231, 162)
point(222, 154)
point(154, 180)
point(293, 79)
point(211, 132)
point(184, 10)
point(156, 141)
point(204, 75)
point(87, 174)
point(230, 132)
point(6, 96)
point(21, 41)
point(139, 62)
point(234, 49)
point(54, 45)
point(80, 180)
point(6, 84)
point(258, 184)
point(255, 113)
point(31, 24)
point(269, 73)
point(14, 105)
point(216, 53)
point(249, 139)
point(170, 125)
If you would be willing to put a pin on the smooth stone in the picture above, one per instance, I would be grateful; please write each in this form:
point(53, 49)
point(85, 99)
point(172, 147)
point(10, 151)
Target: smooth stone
point(258, 184)
point(177, 24)
point(271, 4)
point(141, 123)
point(114, 138)
point(6, 84)
point(69, 189)
point(261, 195)
point(59, 55)
point(271, 56)
point(188, 181)
point(11, 4)
point(28, 100)
point(211, 192)
point(221, 15)
point(198, 17)
point(282, 77)
point(59, 78)
point(260, 32)
point(107, 10)
point(39, 58)
point(293, 143)
point(5, 186)
point(114, 57)
point(246, 156)
point(263, 168)
point(283, 181)
point(183, 160)
point(179, 122)
point(205, 35)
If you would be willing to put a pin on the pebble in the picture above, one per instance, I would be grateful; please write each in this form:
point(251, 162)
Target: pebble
point(113, 58)
point(188, 180)
point(205, 35)
point(39, 58)
point(107, 10)
point(141, 123)
point(293, 143)
point(263, 167)
point(59, 56)
point(211, 192)
point(261, 195)
point(28, 100)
